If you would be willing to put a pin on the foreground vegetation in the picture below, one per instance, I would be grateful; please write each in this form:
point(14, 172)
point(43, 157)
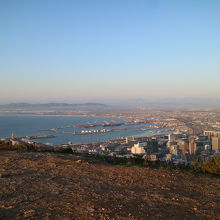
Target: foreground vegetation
point(210, 166)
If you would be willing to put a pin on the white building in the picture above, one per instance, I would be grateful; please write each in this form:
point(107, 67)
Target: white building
point(138, 149)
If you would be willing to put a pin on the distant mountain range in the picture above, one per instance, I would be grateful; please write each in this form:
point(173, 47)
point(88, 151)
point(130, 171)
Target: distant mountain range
point(181, 103)
point(167, 102)
point(24, 105)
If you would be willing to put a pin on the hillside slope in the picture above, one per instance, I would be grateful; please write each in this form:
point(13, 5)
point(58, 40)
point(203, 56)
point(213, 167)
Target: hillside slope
point(55, 186)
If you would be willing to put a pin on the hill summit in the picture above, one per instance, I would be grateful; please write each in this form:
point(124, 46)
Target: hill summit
point(62, 186)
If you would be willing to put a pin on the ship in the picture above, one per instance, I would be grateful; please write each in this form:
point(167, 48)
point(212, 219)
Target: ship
point(95, 131)
point(110, 124)
point(105, 124)
point(42, 136)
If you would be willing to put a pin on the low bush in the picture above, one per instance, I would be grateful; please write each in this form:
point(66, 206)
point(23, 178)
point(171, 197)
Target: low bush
point(212, 165)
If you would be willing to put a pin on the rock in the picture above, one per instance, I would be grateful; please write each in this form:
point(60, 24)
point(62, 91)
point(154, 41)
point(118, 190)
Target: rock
point(29, 213)
point(78, 161)
point(91, 210)
point(6, 207)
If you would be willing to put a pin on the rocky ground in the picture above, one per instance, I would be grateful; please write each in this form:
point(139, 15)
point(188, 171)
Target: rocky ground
point(58, 186)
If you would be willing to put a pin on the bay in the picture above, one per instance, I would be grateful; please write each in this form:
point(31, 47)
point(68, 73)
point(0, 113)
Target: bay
point(64, 126)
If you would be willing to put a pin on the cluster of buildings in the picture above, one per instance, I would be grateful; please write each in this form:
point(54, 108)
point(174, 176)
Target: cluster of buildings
point(178, 148)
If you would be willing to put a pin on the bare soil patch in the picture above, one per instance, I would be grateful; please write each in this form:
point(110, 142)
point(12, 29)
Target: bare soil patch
point(60, 186)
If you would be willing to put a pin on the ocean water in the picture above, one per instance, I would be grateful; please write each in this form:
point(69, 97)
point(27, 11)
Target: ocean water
point(65, 126)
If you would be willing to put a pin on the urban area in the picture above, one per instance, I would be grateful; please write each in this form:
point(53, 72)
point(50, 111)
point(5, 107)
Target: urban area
point(190, 136)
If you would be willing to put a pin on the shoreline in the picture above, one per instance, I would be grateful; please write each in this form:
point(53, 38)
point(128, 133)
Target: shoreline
point(72, 115)
point(88, 140)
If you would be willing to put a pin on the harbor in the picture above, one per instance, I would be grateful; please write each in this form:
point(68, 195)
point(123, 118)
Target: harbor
point(41, 137)
point(60, 130)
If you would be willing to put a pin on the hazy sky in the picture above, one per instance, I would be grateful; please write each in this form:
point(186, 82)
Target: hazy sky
point(70, 50)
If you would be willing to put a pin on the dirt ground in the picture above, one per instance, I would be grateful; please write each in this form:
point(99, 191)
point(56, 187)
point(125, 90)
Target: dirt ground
point(58, 186)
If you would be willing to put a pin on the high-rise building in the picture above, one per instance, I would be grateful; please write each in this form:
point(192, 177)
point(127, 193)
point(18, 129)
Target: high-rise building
point(174, 149)
point(171, 137)
point(129, 139)
point(183, 145)
point(192, 146)
point(215, 143)
point(211, 134)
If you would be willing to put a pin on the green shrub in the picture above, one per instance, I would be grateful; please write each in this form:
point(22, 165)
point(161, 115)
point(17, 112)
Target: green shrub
point(196, 166)
point(212, 165)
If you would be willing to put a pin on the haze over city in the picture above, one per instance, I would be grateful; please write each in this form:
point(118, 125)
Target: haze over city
point(74, 51)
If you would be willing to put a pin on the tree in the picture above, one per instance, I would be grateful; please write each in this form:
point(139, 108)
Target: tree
point(212, 165)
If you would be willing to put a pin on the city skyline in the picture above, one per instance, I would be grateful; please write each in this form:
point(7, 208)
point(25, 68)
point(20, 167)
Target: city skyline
point(53, 51)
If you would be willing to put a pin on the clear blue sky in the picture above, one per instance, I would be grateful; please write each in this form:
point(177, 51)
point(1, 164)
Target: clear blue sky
point(71, 50)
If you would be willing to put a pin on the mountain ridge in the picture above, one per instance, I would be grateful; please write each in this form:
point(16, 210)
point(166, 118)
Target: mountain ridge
point(53, 104)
